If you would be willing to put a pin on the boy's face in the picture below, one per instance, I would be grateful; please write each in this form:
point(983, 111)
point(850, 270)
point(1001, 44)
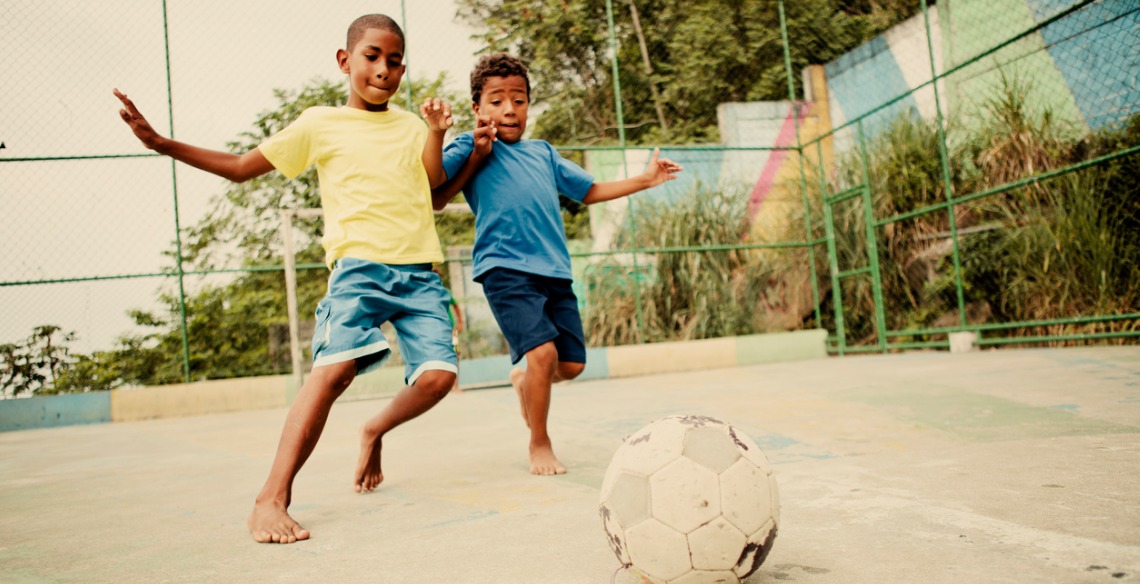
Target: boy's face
point(505, 101)
point(374, 67)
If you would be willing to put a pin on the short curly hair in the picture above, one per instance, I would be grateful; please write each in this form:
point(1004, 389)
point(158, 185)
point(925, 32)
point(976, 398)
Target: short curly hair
point(370, 21)
point(496, 65)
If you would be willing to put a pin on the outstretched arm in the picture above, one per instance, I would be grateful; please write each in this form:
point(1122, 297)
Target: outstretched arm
point(235, 167)
point(657, 172)
point(437, 114)
point(484, 135)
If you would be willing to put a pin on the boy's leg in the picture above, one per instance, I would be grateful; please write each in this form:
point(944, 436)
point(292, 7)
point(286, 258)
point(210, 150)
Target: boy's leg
point(564, 371)
point(270, 522)
point(430, 367)
point(411, 401)
point(534, 389)
point(539, 318)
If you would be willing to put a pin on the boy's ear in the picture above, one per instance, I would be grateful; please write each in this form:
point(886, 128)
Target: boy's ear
point(475, 107)
point(342, 60)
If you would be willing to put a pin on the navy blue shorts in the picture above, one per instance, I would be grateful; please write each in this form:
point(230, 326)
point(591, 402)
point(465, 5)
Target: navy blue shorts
point(532, 310)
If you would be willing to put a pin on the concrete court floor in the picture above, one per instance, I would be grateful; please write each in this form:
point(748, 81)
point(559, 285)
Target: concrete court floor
point(996, 466)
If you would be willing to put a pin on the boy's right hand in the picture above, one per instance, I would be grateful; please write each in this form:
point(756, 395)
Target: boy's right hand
point(142, 129)
point(437, 114)
point(485, 134)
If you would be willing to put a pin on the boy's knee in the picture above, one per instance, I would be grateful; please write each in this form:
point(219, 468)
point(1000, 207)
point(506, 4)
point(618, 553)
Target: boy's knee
point(544, 357)
point(436, 382)
point(334, 378)
point(568, 370)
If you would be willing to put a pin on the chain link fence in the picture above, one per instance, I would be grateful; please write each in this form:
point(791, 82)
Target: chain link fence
point(984, 183)
point(895, 179)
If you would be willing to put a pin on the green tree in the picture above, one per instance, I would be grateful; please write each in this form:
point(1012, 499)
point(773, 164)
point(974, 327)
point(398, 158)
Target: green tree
point(34, 365)
point(228, 323)
point(696, 55)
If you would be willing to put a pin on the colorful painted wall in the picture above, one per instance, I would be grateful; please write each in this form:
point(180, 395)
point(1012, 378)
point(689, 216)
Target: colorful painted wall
point(764, 176)
point(1084, 68)
point(884, 69)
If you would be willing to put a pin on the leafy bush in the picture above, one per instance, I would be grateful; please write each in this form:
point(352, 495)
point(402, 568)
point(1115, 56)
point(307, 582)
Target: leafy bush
point(1051, 249)
point(684, 294)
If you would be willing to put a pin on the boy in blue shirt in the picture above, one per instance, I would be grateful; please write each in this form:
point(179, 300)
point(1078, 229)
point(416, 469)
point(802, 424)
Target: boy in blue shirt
point(520, 255)
point(376, 168)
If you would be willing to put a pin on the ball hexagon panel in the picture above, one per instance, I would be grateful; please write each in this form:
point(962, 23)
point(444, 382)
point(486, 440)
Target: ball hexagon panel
point(756, 550)
point(658, 551)
point(628, 500)
point(750, 450)
point(613, 471)
point(716, 546)
point(684, 495)
point(652, 447)
point(711, 447)
point(615, 535)
point(745, 496)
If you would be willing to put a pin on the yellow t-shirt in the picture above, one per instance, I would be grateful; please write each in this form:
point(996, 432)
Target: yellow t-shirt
point(374, 189)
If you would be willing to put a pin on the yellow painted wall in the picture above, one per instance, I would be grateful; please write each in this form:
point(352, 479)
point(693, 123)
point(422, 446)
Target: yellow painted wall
point(192, 399)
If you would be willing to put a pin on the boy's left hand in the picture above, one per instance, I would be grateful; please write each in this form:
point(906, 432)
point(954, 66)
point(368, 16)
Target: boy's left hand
point(661, 170)
point(437, 114)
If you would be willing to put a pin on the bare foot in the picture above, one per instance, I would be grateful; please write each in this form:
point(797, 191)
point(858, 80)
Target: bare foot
point(368, 474)
point(270, 523)
point(517, 375)
point(543, 462)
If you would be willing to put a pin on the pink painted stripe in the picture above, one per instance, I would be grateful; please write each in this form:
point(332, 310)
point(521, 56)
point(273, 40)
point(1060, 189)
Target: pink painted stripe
point(786, 137)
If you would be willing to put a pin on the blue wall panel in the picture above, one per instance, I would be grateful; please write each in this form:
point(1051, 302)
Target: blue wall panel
point(1097, 50)
point(55, 410)
point(865, 78)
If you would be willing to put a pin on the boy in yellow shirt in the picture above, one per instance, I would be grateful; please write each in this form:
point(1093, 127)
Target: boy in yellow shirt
point(376, 168)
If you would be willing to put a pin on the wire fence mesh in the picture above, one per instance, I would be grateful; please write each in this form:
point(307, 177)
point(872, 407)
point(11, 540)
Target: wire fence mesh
point(838, 171)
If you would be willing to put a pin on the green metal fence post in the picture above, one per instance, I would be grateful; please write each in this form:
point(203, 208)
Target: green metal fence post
point(833, 261)
point(174, 190)
point(800, 152)
point(945, 160)
point(625, 165)
point(872, 244)
point(408, 81)
point(836, 287)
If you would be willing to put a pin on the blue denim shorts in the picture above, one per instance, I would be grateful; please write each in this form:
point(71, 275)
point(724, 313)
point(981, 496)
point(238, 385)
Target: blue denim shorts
point(362, 295)
point(532, 310)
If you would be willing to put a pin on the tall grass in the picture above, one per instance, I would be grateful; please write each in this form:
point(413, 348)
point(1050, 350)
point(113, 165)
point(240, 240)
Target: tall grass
point(1053, 249)
point(1064, 247)
point(684, 294)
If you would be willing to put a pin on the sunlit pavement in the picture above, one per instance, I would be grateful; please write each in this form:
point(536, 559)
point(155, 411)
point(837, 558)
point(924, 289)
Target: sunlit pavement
point(999, 466)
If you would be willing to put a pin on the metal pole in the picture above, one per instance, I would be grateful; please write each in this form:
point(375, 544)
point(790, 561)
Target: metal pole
point(946, 182)
point(833, 263)
point(836, 285)
point(408, 81)
point(291, 297)
point(872, 244)
point(625, 164)
point(800, 151)
point(177, 222)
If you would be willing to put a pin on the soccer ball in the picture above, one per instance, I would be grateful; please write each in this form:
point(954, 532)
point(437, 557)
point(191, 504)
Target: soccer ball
point(690, 499)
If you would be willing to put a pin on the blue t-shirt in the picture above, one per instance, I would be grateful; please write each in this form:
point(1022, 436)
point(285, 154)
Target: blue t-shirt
point(518, 220)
